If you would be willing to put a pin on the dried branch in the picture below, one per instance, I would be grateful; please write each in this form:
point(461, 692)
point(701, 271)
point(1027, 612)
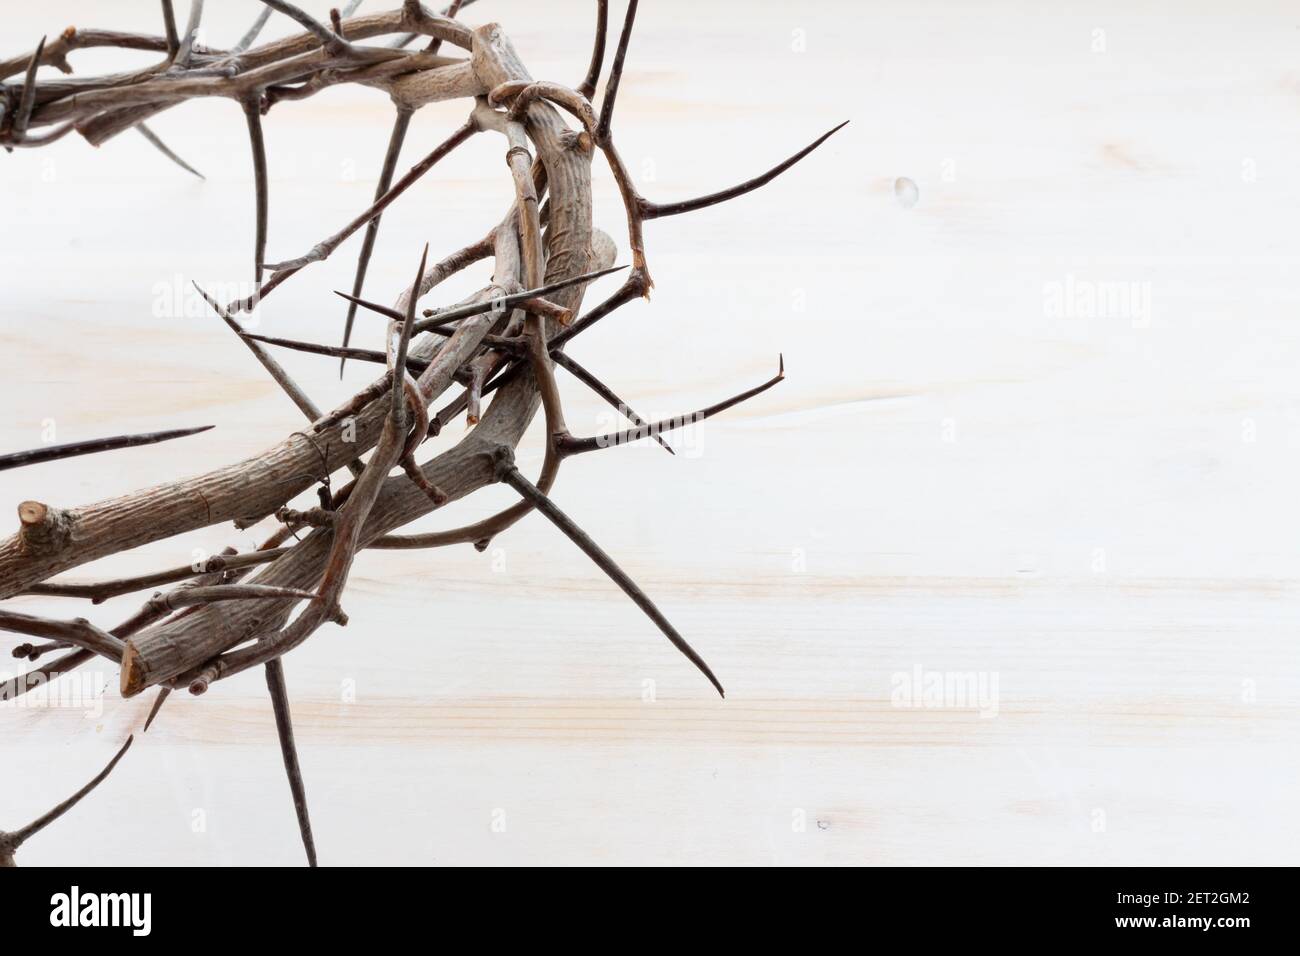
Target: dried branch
point(33, 652)
point(38, 676)
point(502, 341)
point(78, 632)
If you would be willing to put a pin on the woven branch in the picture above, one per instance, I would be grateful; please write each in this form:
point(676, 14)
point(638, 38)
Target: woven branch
point(235, 611)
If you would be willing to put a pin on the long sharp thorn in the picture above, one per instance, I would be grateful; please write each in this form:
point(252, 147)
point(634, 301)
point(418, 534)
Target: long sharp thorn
point(439, 318)
point(247, 39)
point(626, 292)
point(276, 371)
point(284, 728)
point(588, 87)
point(166, 150)
point(17, 838)
point(323, 249)
point(383, 310)
point(258, 145)
point(306, 20)
point(400, 125)
point(404, 340)
point(651, 210)
point(574, 446)
point(182, 57)
point(71, 450)
point(362, 355)
point(615, 74)
point(532, 493)
point(28, 98)
point(169, 29)
point(605, 392)
point(157, 706)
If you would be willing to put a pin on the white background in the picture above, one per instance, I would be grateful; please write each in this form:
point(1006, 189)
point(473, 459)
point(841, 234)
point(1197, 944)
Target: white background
point(1098, 510)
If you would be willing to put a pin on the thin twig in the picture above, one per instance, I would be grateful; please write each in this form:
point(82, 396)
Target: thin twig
point(98, 592)
point(78, 631)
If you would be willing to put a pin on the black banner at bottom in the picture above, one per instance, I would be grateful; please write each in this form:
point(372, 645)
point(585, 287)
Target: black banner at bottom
point(1168, 906)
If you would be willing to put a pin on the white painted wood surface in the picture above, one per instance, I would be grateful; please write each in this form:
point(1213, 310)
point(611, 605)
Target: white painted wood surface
point(1096, 510)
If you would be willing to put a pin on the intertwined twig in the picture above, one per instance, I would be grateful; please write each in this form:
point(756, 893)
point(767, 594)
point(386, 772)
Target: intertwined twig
point(503, 341)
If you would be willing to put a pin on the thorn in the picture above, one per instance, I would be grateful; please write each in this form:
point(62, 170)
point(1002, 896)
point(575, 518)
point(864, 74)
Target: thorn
point(327, 37)
point(258, 145)
point(568, 445)
point(530, 492)
point(18, 837)
point(284, 728)
point(169, 29)
point(651, 210)
point(398, 409)
point(400, 125)
point(363, 355)
point(605, 392)
point(247, 40)
point(436, 318)
point(28, 97)
point(157, 706)
point(615, 74)
point(163, 148)
point(73, 449)
point(383, 310)
point(588, 85)
point(186, 48)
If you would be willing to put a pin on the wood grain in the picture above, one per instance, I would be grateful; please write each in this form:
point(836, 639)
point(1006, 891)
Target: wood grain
point(1096, 507)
